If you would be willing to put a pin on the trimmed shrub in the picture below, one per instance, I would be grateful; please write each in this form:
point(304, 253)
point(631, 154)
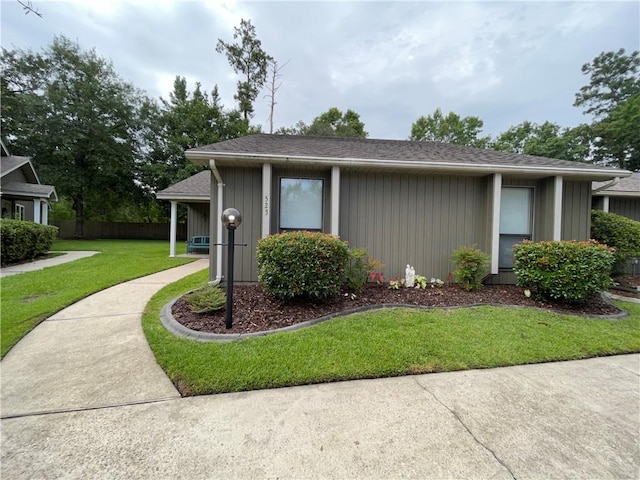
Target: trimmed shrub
point(471, 263)
point(23, 240)
point(302, 264)
point(359, 267)
point(618, 232)
point(207, 299)
point(568, 271)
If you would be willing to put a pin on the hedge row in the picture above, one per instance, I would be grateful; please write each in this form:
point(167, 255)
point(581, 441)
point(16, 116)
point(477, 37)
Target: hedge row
point(25, 240)
point(620, 233)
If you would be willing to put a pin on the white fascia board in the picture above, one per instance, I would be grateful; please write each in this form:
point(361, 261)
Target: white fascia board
point(606, 193)
point(486, 168)
point(183, 198)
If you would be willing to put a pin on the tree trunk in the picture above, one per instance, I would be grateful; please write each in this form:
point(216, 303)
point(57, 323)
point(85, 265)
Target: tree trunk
point(78, 207)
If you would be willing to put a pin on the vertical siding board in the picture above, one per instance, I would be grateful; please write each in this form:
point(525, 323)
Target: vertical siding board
point(576, 210)
point(627, 207)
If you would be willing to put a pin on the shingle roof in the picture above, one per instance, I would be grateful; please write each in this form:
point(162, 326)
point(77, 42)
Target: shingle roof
point(629, 186)
point(13, 162)
point(34, 190)
point(196, 187)
point(338, 148)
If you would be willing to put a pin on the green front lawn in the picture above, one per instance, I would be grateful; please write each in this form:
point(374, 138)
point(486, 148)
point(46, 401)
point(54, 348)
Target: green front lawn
point(29, 298)
point(382, 343)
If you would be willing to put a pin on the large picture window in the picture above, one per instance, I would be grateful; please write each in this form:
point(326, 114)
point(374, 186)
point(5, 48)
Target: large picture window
point(516, 220)
point(301, 204)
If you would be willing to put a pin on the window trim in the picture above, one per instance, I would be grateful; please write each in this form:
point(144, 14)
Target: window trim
point(19, 211)
point(524, 236)
point(322, 204)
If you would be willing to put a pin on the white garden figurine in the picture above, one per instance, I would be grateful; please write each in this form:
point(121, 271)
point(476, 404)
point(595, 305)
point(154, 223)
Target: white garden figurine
point(410, 276)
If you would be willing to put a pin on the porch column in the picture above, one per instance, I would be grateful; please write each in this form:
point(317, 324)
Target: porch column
point(557, 208)
point(335, 201)
point(36, 210)
point(605, 203)
point(266, 199)
point(173, 229)
point(495, 222)
point(45, 213)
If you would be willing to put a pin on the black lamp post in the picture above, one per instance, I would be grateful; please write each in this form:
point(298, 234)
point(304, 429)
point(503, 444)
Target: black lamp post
point(231, 219)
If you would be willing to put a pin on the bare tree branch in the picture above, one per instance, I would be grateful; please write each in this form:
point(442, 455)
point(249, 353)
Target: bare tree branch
point(28, 8)
point(275, 86)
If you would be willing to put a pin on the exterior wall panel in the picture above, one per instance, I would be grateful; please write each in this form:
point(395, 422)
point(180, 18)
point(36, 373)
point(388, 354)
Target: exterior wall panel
point(627, 207)
point(243, 191)
point(198, 219)
point(411, 219)
point(576, 210)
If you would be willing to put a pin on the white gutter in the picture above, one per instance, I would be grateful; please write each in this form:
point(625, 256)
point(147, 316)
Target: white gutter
point(216, 174)
point(606, 185)
point(399, 164)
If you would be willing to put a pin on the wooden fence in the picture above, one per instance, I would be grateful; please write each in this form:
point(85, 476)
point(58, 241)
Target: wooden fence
point(138, 231)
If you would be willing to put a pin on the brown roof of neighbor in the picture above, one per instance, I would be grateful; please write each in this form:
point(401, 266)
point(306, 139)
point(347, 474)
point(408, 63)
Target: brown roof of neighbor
point(628, 187)
point(196, 187)
point(343, 149)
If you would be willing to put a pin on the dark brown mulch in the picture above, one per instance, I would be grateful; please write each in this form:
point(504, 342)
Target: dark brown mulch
point(254, 310)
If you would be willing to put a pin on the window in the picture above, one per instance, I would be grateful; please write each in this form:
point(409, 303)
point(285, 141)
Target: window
point(516, 215)
point(301, 204)
point(18, 212)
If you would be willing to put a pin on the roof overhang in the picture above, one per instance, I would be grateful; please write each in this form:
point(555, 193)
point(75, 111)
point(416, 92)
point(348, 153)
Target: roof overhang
point(29, 191)
point(227, 159)
point(610, 193)
point(186, 198)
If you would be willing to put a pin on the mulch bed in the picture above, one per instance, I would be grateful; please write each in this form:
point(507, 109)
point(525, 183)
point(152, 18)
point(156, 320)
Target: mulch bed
point(255, 311)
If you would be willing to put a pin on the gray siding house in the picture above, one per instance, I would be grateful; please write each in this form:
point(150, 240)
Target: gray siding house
point(621, 196)
point(405, 202)
point(23, 196)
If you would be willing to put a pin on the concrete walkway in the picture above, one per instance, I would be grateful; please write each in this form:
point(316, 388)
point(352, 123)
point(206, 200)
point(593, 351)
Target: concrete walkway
point(44, 263)
point(82, 397)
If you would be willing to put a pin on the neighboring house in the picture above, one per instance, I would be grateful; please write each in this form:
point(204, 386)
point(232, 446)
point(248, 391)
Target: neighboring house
point(23, 196)
point(194, 192)
point(621, 196)
point(405, 202)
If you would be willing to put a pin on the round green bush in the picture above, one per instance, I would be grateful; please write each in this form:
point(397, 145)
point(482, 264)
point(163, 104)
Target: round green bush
point(568, 271)
point(302, 264)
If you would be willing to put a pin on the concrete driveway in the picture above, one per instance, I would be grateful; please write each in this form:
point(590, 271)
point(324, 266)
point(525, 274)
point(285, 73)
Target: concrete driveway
point(83, 398)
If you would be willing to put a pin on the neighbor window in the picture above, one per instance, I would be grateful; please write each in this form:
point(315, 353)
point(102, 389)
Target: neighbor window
point(18, 212)
point(516, 219)
point(301, 204)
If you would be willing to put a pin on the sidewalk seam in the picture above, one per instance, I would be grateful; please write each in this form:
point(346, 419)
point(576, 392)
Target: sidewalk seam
point(94, 317)
point(85, 409)
point(457, 417)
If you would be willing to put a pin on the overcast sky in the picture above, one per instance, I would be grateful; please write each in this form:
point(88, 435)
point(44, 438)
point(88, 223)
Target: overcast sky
point(391, 62)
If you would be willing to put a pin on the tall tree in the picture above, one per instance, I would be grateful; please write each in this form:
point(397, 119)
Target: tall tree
point(614, 78)
point(186, 120)
point(545, 140)
point(449, 129)
point(248, 59)
point(612, 97)
point(274, 86)
point(68, 109)
point(332, 123)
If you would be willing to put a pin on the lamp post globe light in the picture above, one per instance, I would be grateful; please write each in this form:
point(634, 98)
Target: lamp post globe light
point(231, 219)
